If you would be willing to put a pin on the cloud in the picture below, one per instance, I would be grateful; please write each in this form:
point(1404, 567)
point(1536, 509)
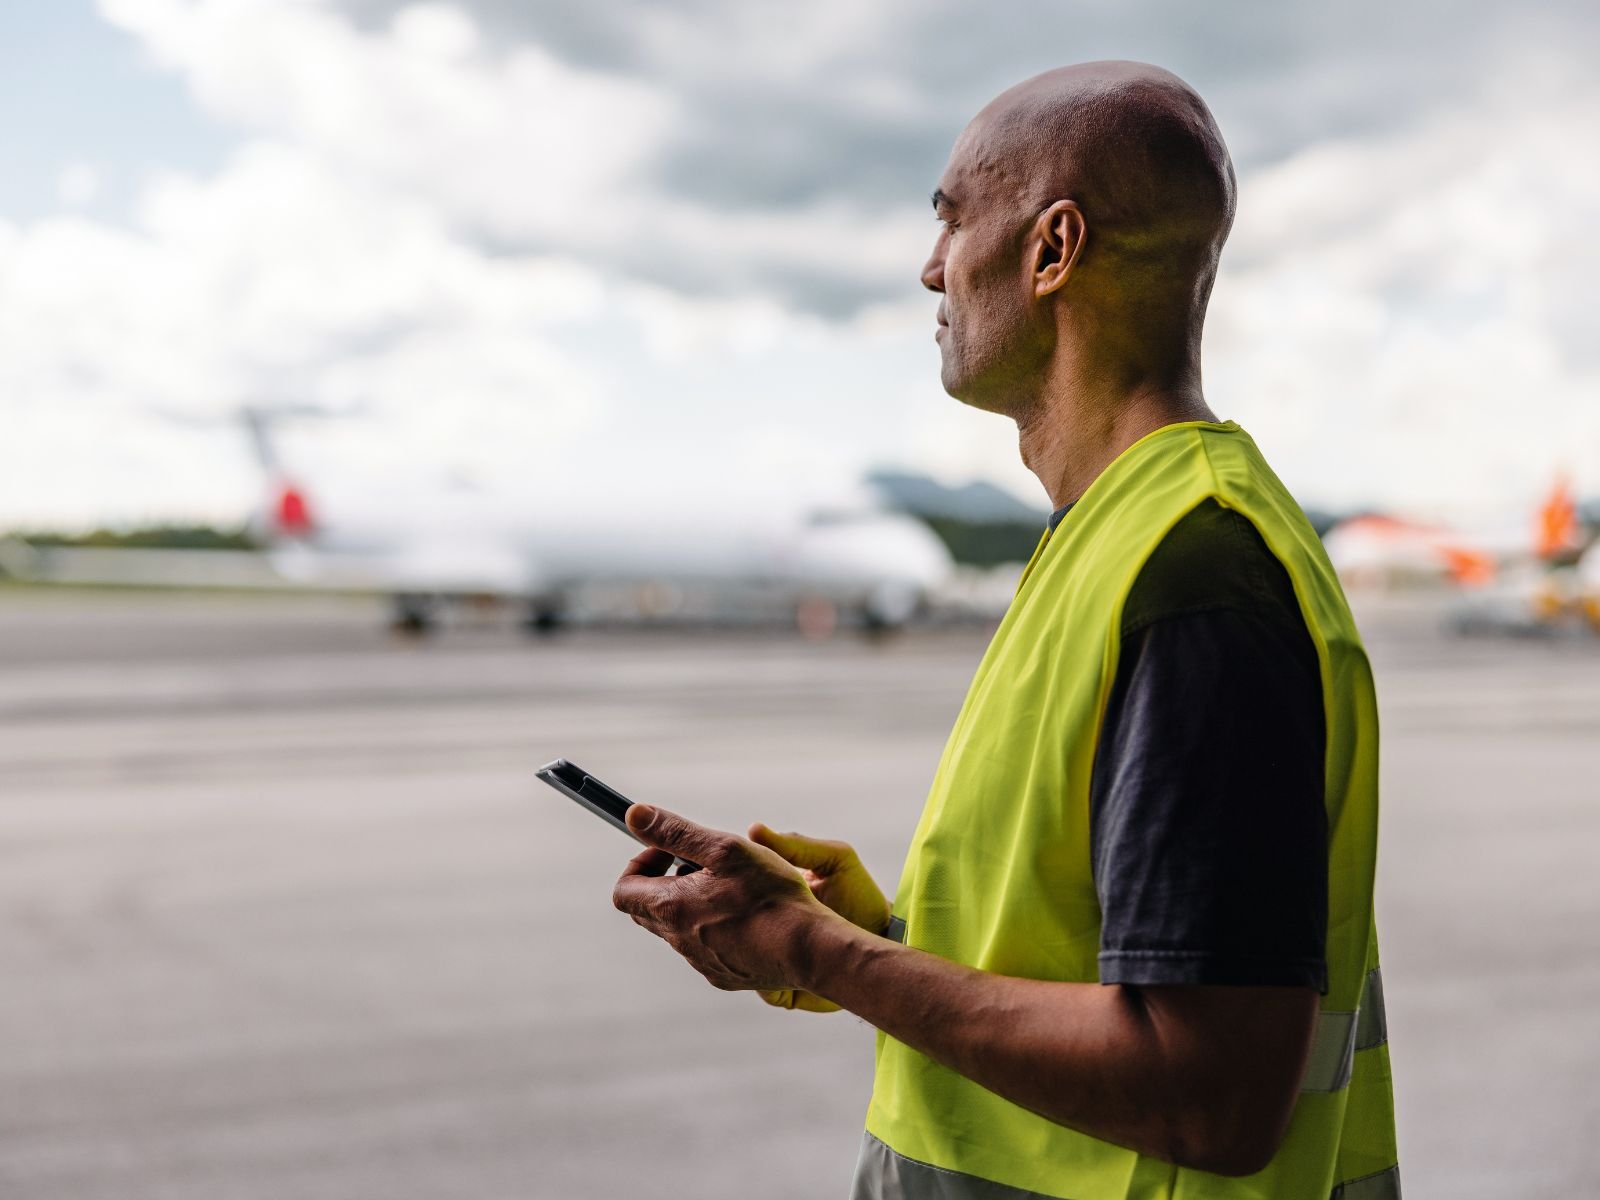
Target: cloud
point(682, 241)
point(514, 142)
point(282, 278)
point(1399, 312)
point(276, 280)
point(884, 86)
point(523, 152)
point(834, 117)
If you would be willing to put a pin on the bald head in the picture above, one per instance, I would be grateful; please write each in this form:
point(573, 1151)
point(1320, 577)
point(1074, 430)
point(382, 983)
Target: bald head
point(1133, 145)
point(1090, 201)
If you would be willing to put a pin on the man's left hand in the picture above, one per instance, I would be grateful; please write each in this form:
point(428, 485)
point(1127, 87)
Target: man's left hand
point(743, 920)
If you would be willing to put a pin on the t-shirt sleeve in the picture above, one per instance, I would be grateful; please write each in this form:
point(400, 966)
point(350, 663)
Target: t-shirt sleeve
point(1209, 835)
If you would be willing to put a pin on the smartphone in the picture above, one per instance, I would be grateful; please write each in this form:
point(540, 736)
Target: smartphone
point(605, 802)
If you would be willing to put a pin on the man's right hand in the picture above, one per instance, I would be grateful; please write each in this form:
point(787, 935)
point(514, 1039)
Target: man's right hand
point(836, 877)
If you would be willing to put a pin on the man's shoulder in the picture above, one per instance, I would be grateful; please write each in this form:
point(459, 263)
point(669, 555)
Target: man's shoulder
point(1212, 560)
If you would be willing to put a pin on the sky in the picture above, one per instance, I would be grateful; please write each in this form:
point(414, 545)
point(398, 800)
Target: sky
point(645, 249)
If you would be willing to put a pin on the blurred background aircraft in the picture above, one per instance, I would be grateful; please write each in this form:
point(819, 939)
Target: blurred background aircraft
point(430, 548)
point(1537, 575)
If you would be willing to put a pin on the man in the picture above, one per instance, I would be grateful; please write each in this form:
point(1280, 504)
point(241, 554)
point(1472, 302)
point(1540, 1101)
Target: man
point(1138, 954)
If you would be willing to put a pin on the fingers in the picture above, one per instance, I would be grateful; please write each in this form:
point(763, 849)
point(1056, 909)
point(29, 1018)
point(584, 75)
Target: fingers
point(641, 896)
point(641, 890)
point(649, 861)
point(813, 854)
point(681, 836)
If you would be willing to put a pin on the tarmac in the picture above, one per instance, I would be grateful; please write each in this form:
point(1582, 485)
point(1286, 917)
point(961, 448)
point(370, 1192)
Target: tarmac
point(284, 913)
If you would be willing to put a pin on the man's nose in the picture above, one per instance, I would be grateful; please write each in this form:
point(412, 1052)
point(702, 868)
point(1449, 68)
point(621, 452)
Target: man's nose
point(933, 269)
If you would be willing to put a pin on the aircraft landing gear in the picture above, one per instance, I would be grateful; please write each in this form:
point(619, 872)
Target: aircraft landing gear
point(413, 616)
point(888, 610)
point(545, 617)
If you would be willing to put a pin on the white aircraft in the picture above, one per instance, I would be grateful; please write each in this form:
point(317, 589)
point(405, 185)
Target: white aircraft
point(458, 544)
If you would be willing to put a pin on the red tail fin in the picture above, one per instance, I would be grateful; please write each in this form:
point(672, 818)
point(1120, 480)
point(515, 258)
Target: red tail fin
point(291, 515)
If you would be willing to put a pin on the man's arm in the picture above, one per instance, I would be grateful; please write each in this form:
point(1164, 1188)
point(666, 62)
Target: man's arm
point(1204, 1077)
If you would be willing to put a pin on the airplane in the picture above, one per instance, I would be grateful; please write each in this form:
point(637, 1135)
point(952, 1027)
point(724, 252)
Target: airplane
point(1512, 580)
point(460, 545)
point(1377, 548)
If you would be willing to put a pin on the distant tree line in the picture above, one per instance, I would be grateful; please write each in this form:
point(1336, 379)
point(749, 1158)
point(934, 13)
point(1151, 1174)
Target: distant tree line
point(990, 543)
point(986, 543)
point(152, 537)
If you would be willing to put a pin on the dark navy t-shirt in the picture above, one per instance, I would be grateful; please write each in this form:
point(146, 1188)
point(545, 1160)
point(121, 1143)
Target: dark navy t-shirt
point(1208, 831)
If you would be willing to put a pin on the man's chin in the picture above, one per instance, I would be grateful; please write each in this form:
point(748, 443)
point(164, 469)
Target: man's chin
point(964, 388)
point(955, 381)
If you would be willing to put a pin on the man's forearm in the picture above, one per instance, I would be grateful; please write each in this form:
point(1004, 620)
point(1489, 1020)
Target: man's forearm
point(1104, 1060)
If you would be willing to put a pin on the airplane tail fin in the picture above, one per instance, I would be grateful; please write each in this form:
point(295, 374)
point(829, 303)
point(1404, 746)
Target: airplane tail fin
point(291, 513)
point(1556, 533)
point(287, 514)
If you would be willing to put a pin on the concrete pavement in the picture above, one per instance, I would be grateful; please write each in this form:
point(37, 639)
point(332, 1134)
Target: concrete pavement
point(283, 912)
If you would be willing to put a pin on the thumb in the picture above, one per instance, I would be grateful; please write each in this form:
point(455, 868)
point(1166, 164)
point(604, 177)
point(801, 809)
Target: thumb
point(813, 854)
point(679, 835)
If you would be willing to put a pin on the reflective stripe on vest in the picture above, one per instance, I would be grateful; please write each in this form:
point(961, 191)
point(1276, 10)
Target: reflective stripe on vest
point(1385, 1185)
point(881, 1174)
point(1340, 1034)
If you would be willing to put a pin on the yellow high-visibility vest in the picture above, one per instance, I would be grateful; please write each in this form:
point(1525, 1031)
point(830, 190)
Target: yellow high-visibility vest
point(998, 875)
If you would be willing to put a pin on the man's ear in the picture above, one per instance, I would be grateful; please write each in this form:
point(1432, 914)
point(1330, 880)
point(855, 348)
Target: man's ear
point(1059, 234)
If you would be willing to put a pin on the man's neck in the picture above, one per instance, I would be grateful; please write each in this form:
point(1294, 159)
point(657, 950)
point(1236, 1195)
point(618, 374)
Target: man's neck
point(1074, 433)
